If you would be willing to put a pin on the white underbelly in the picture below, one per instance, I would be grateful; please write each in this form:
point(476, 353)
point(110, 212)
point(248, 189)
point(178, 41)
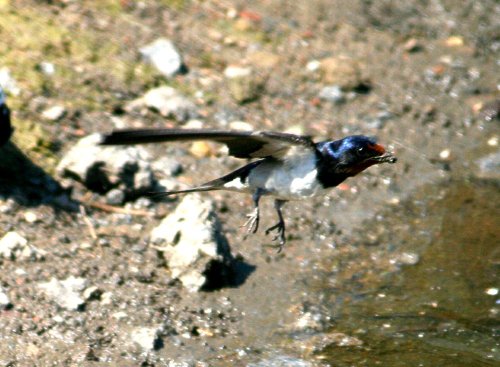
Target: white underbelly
point(289, 180)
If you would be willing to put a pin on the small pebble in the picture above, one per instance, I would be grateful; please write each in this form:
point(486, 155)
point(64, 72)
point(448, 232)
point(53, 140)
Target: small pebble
point(91, 292)
point(201, 149)
point(115, 197)
point(193, 124)
point(394, 201)
point(163, 54)
point(85, 245)
point(58, 318)
point(455, 41)
point(147, 338)
point(492, 291)
point(332, 93)
point(493, 141)
point(4, 299)
point(47, 68)
point(412, 45)
point(30, 217)
point(313, 65)
point(106, 298)
point(408, 258)
point(445, 154)
point(120, 315)
point(54, 113)
point(240, 125)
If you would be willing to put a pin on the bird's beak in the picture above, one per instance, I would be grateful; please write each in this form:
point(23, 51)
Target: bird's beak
point(386, 158)
point(383, 156)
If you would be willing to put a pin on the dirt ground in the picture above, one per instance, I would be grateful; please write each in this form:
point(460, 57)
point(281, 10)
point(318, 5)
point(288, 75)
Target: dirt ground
point(425, 83)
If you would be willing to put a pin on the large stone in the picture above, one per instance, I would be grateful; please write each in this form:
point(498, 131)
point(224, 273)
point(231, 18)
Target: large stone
point(102, 168)
point(191, 240)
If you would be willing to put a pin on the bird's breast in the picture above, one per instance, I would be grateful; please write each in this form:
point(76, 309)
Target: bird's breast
point(294, 178)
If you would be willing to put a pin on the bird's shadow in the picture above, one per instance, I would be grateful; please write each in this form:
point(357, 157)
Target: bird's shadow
point(227, 275)
point(28, 184)
point(229, 271)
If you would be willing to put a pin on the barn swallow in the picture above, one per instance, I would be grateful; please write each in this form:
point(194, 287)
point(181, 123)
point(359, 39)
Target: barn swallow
point(5, 126)
point(287, 166)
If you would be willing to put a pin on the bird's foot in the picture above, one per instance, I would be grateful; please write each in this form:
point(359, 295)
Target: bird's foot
point(280, 235)
point(252, 224)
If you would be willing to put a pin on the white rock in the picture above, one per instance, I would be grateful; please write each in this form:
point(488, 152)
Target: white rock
point(332, 93)
point(4, 299)
point(492, 291)
point(102, 168)
point(313, 65)
point(445, 154)
point(8, 83)
point(47, 68)
point(170, 103)
point(163, 55)
point(193, 124)
point(66, 293)
point(185, 364)
point(30, 217)
point(193, 239)
point(54, 113)
point(14, 246)
point(147, 338)
point(119, 315)
point(106, 298)
point(237, 72)
point(91, 292)
point(240, 125)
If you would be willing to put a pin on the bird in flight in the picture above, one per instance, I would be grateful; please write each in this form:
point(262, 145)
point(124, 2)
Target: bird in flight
point(286, 166)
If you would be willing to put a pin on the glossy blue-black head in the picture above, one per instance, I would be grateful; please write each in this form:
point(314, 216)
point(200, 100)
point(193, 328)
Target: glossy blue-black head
point(354, 153)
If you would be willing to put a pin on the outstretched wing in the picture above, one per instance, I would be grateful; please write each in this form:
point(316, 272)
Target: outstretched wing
point(241, 144)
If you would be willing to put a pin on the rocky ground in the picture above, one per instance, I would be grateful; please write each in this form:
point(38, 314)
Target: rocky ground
point(95, 271)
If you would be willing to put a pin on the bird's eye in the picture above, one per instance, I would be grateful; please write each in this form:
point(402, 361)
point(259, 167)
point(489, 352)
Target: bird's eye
point(361, 150)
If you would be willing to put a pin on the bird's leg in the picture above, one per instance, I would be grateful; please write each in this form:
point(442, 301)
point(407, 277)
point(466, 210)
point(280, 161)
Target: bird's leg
point(280, 226)
point(252, 223)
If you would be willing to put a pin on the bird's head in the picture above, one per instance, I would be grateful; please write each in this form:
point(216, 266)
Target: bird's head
point(355, 153)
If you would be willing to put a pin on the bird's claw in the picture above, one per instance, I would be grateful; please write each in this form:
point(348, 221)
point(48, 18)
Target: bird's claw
point(280, 235)
point(252, 224)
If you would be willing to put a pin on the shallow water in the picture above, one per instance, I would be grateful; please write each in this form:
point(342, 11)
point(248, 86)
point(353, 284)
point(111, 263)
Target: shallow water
point(442, 311)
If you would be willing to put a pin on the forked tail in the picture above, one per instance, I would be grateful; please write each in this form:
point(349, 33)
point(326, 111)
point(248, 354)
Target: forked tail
point(186, 191)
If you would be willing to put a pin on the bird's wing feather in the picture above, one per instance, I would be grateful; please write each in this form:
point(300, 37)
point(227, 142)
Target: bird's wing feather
point(241, 144)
